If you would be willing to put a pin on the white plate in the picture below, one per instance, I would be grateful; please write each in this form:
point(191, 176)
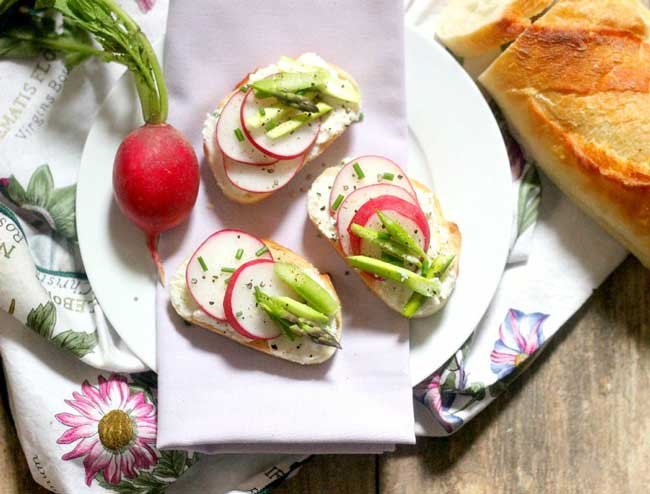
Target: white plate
point(460, 146)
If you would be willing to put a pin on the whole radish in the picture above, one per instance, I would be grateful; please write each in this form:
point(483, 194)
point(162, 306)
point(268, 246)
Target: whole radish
point(156, 172)
point(155, 181)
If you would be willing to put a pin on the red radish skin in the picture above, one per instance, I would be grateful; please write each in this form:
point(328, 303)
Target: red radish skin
point(353, 202)
point(387, 204)
point(227, 302)
point(155, 181)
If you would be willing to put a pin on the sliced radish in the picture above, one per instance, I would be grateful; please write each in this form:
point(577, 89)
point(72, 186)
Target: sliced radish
point(260, 179)
point(349, 207)
point(408, 215)
point(231, 138)
point(290, 146)
point(375, 169)
point(241, 308)
point(205, 277)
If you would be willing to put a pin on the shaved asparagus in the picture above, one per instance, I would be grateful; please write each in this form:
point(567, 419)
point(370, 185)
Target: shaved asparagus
point(417, 283)
point(298, 121)
point(387, 246)
point(308, 288)
point(301, 310)
point(400, 235)
point(437, 268)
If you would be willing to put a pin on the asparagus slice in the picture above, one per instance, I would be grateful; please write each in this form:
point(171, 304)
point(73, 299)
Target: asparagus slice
point(308, 288)
point(293, 82)
point(300, 310)
point(417, 283)
point(321, 336)
point(273, 115)
point(387, 246)
point(298, 121)
point(400, 235)
point(439, 268)
point(302, 103)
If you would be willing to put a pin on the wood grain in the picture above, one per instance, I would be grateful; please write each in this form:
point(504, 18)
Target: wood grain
point(576, 422)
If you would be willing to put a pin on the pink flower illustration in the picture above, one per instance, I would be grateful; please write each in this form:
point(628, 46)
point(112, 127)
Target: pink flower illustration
point(146, 5)
point(520, 335)
point(115, 429)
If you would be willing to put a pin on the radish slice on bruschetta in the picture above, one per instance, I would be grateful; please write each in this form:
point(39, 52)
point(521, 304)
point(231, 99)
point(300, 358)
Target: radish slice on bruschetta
point(409, 216)
point(231, 138)
point(213, 263)
point(364, 171)
point(240, 305)
point(261, 179)
point(351, 205)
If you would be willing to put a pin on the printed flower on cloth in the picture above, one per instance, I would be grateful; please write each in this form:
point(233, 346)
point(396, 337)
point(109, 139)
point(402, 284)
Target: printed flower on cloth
point(520, 336)
point(114, 430)
point(438, 402)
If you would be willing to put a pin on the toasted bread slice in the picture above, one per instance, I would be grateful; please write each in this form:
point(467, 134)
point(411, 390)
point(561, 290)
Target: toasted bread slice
point(445, 236)
point(327, 135)
point(471, 28)
point(301, 351)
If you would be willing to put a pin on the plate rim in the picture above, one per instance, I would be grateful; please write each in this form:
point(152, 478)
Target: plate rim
point(149, 357)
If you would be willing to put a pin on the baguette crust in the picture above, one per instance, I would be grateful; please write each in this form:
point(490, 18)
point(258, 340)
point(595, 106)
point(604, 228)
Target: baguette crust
point(185, 306)
point(215, 158)
point(507, 20)
point(453, 239)
point(575, 88)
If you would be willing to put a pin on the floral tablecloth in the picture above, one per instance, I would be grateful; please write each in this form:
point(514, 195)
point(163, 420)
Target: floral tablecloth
point(84, 405)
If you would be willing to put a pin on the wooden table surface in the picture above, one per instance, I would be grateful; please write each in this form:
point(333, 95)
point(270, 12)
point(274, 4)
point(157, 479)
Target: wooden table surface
point(578, 421)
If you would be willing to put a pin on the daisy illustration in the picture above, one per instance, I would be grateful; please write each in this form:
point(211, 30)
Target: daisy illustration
point(520, 335)
point(114, 430)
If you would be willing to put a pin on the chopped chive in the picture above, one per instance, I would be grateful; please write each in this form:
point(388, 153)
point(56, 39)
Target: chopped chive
point(270, 125)
point(227, 270)
point(240, 135)
point(262, 251)
point(262, 112)
point(227, 280)
point(240, 252)
point(204, 266)
point(239, 314)
point(358, 171)
point(388, 176)
point(244, 88)
point(337, 202)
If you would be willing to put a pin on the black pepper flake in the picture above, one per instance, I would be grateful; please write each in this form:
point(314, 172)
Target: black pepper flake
point(249, 285)
point(322, 208)
point(347, 273)
point(275, 347)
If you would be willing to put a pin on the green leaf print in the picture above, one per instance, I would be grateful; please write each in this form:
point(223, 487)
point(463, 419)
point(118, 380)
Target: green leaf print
point(62, 210)
point(16, 192)
point(55, 206)
point(76, 342)
point(40, 187)
point(530, 192)
point(42, 319)
point(171, 464)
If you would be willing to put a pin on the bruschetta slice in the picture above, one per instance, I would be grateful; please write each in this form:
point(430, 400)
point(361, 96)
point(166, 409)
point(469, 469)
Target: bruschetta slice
point(391, 229)
point(277, 120)
point(261, 295)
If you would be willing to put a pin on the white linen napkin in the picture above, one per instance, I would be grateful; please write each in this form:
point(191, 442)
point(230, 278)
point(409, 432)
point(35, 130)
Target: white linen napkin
point(215, 395)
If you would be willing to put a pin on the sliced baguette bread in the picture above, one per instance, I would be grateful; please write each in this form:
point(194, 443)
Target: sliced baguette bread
point(445, 236)
point(575, 89)
point(471, 28)
point(333, 126)
point(302, 351)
